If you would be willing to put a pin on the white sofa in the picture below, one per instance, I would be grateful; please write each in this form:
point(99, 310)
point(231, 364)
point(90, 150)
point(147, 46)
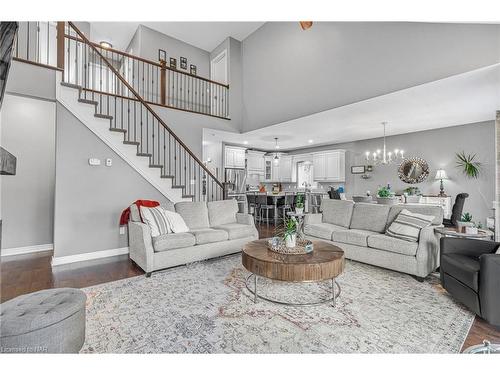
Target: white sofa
point(216, 229)
point(358, 228)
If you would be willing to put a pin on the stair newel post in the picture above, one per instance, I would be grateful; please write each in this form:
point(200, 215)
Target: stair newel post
point(60, 44)
point(163, 82)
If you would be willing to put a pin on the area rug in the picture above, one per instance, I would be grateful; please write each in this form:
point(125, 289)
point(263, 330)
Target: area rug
point(205, 308)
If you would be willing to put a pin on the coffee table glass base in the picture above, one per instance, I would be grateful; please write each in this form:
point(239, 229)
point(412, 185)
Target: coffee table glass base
point(254, 291)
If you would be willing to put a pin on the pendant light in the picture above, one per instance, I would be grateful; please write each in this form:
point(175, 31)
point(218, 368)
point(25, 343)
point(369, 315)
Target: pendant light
point(276, 159)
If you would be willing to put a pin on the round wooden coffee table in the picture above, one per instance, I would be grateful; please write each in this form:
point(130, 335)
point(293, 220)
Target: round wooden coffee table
point(326, 262)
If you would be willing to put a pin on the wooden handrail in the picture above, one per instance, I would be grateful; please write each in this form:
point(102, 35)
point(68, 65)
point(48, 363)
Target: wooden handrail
point(143, 102)
point(146, 61)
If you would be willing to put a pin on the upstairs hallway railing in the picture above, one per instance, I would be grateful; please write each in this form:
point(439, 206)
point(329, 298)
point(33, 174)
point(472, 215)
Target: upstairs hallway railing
point(84, 66)
point(155, 82)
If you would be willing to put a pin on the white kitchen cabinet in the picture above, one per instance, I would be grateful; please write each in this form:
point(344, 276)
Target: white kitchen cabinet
point(255, 161)
point(268, 169)
point(234, 157)
point(285, 169)
point(329, 166)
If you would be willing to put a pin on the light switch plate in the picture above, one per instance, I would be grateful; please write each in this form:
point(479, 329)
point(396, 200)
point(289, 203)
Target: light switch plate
point(94, 161)
point(109, 162)
point(122, 230)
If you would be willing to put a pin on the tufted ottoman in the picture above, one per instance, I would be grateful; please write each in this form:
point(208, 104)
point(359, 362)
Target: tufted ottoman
point(48, 321)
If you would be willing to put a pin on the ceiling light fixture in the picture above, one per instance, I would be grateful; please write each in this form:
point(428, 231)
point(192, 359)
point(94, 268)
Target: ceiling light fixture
point(245, 142)
point(276, 159)
point(382, 156)
point(105, 44)
point(310, 141)
point(305, 24)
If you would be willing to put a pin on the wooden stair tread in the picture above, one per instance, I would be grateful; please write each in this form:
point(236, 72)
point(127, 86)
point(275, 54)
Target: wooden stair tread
point(72, 85)
point(100, 115)
point(155, 166)
point(117, 130)
point(88, 101)
point(134, 143)
point(144, 154)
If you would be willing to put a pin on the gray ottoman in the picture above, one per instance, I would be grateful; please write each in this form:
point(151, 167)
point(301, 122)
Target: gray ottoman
point(48, 321)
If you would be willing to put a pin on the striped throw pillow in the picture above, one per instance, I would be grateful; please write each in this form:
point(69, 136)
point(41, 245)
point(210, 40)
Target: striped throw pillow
point(407, 225)
point(156, 219)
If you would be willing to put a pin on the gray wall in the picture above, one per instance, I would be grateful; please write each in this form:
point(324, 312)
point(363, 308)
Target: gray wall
point(22, 76)
point(438, 148)
point(90, 199)
point(151, 41)
point(28, 132)
point(289, 73)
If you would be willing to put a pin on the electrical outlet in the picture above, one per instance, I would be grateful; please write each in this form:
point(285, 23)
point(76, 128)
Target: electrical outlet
point(109, 162)
point(122, 230)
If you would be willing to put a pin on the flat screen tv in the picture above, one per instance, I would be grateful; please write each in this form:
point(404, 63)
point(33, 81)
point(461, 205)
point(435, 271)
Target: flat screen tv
point(7, 35)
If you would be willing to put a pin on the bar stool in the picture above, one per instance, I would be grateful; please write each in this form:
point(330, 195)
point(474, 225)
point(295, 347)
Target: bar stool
point(315, 205)
point(261, 201)
point(287, 205)
point(252, 204)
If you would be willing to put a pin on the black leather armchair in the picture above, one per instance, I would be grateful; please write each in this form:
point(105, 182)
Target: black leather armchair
point(470, 272)
point(456, 212)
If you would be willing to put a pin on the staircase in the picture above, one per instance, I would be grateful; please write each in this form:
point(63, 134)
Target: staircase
point(91, 86)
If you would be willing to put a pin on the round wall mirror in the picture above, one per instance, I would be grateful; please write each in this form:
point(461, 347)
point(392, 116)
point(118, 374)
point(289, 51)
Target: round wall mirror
point(413, 170)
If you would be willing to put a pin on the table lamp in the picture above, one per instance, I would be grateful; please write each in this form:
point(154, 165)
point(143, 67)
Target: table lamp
point(441, 175)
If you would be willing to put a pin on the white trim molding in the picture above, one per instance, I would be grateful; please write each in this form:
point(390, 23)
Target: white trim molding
point(26, 249)
point(57, 261)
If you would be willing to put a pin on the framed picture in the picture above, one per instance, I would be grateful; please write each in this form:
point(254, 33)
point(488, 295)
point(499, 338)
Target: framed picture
point(192, 69)
point(358, 169)
point(184, 63)
point(162, 55)
point(173, 63)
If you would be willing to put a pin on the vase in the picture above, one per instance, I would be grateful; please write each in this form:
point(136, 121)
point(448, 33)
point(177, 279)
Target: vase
point(299, 211)
point(387, 200)
point(461, 225)
point(291, 240)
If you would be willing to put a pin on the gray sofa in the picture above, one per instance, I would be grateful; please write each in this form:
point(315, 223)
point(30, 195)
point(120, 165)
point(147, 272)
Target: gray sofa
point(215, 229)
point(358, 228)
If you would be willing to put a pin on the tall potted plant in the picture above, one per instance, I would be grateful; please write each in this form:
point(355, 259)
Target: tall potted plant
point(290, 234)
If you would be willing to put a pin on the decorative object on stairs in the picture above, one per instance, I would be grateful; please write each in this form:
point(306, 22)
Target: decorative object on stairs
point(413, 170)
point(382, 156)
point(441, 175)
point(469, 165)
point(386, 196)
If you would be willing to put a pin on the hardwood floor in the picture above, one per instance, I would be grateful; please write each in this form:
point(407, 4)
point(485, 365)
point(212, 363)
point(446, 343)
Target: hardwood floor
point(31, 272)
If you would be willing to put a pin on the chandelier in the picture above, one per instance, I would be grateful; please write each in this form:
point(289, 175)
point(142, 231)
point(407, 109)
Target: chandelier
point(384, 157)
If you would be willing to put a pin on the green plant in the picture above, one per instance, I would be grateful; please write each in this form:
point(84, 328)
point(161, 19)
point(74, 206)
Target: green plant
point(470, 167)
point(466, 217)
point(412, 190)
point(290, 228)
point(299, 202)
point(384, 192)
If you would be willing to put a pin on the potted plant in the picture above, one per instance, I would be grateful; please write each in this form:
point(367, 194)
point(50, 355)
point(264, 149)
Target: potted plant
point(386, 196)
point(412, 194)
point(290, 234)
point(299, 204)
point(464, 222)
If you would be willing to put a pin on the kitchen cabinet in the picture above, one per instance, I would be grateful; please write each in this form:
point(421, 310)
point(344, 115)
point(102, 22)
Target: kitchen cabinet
point(234, 157)
point(255, 161)
point(329, 166)
point(285, 169)
point(268, 171)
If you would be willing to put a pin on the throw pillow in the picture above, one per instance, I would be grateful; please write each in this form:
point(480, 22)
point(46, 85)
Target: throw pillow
point(498, 251)
point(156, 219)
point(176, 222)
point(162, 221)
point(407, 225)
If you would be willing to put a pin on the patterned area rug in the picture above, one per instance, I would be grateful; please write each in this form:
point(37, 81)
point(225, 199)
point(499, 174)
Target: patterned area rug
point(205, 308)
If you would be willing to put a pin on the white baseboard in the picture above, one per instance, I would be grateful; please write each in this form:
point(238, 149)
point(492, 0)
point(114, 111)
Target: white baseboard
point(26, 249)
point(57, 261)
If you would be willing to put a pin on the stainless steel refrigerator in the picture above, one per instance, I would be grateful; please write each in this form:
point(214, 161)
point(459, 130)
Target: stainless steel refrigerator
point(236, 178)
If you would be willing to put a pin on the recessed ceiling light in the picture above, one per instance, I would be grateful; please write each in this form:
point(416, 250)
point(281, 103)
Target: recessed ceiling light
point(245, 142)
point(105, 44)
point(310, 141)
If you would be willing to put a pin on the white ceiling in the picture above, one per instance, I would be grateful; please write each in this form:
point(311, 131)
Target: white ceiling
point(204, 35)
point(462, 99)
